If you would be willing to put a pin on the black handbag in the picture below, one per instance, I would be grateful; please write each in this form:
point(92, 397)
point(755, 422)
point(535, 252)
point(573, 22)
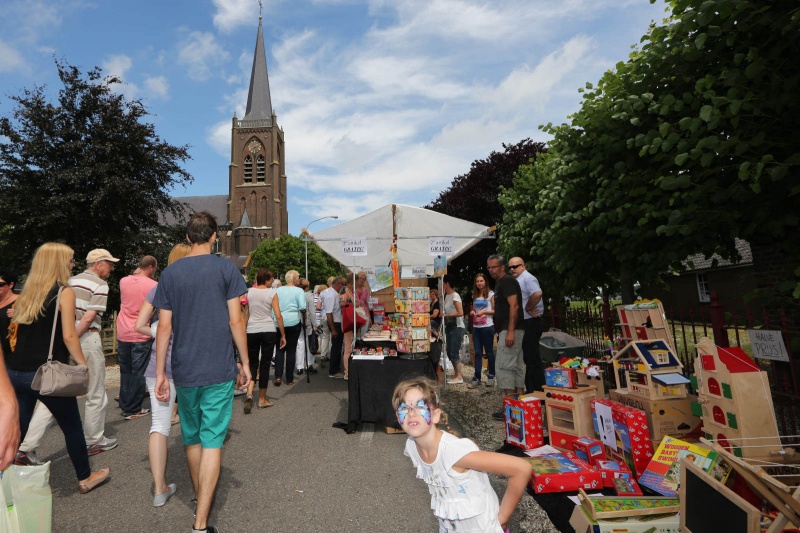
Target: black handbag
point(313, 343)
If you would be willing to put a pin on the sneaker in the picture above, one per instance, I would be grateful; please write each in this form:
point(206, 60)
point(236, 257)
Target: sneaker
point(346, 377)
point(137, 414)
point(103, 445)
point(238, 392)
point(27, 459)
point(499, 415)
point(490, 382)
point(160, 499)
point(473, 384)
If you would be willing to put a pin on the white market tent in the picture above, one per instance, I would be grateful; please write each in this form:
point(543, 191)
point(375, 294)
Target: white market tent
point(413, 227)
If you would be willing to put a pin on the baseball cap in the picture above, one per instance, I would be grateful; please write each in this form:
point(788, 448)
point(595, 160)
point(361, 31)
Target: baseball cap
point(100, 254)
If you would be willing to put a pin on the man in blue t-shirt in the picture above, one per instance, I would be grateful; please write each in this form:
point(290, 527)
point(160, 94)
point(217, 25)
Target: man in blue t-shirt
point(198, 298)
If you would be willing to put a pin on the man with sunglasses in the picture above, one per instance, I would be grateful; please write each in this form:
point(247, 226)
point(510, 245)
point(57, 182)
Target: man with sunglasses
point(508, 323)
point(533, 309)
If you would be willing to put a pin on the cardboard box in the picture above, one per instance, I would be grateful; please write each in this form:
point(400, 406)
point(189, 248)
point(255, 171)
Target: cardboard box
point(670, 417)
point(589, 449)
point(561, 377)
point(626, 486)
point(524, 421)
point(581, 522)
point(562, 472)
point(630, 433)
point(611, 470)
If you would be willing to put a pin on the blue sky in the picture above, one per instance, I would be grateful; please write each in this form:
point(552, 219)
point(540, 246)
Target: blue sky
point(381, 101)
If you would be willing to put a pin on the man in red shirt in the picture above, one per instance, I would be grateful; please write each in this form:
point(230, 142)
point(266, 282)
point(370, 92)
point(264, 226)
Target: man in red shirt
point(133, 348)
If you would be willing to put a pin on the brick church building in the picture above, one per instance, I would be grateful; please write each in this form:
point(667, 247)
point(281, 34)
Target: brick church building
point(255, 207)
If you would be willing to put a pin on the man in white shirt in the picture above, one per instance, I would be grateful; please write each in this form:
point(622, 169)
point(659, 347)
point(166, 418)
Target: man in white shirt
point(333, 313)
point(533, 309)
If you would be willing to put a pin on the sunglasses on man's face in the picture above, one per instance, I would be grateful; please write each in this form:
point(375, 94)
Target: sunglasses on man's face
point(514, 267)
point(3, 283)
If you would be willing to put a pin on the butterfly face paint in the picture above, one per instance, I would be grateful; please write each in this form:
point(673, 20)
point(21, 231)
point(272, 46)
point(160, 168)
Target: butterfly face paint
point(422, 409)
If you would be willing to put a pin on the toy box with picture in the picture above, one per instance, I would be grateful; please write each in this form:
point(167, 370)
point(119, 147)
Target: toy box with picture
point(624, 432)
point(524, 421)
point(562, 472)
point(589, 449)
point(662, 475)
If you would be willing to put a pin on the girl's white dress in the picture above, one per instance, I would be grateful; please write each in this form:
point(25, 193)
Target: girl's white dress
point(460, 501)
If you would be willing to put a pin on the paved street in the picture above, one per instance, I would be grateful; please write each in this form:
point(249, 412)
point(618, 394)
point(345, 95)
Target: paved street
point(283, 469)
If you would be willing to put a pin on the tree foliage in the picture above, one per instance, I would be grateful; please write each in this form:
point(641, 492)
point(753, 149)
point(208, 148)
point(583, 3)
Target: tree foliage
point(474, 197)
point(86, 169)
point(679, 150)
point(288, 253)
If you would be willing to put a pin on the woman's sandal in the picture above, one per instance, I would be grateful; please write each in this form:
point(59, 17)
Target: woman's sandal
point(264, 405)
point(93, 481)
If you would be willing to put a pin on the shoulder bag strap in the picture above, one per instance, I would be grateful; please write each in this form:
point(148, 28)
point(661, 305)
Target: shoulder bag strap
point(55, 321)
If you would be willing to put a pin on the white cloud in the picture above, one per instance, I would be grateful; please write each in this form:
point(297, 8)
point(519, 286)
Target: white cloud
point(10, 58)
point(157, 87)
point(218, 137)
point(233, 13)
point(118, 66)
point(200, 53)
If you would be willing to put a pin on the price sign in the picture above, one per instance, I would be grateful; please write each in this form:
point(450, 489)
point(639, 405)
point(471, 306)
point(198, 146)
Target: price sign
point(419, 271)
point(768, 345)
point(440, 246)
point(354, 246)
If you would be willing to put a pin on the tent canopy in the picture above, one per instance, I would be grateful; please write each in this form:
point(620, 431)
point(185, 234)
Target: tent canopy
point(413, 227)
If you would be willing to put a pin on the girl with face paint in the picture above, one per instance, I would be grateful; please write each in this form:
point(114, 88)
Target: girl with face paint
point(455, 469)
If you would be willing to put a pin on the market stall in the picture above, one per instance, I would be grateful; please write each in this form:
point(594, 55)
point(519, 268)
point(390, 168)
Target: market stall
point(395, 244)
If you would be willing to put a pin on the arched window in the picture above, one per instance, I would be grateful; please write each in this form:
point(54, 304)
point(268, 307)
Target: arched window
point(261, 169)
point(713, 387)
point(719, 416)
point(248, 169)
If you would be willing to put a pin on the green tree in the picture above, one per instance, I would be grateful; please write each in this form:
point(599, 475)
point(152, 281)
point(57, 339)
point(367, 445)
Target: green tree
point(474, 196)
point(87, 170)
point(288, 253)
point(680, 149)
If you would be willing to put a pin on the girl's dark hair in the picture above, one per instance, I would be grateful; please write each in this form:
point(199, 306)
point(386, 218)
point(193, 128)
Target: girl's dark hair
point(263, 275)
point(484, 293)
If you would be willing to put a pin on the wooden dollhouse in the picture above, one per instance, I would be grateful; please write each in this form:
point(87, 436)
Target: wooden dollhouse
point(649, 368)
point(644, 320)
point(735, 401)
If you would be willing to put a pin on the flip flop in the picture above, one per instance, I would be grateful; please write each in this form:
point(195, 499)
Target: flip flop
point(265, 405)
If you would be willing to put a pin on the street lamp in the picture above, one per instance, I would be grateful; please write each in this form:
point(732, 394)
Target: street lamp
point(305, 232)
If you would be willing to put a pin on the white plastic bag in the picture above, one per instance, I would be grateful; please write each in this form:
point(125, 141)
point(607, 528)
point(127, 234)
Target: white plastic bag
point(26, 496)
point(445, 363)
point(463, 352)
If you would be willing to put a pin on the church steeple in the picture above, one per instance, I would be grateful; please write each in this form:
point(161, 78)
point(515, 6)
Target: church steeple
point(259, 104)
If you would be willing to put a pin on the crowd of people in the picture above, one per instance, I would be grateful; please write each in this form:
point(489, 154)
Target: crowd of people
point(199, 336)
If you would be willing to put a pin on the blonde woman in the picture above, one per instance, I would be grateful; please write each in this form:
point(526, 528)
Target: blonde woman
point(34, 316)
point(162, 412)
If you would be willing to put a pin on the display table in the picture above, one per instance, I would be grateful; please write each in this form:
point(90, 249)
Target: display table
point(372, 383)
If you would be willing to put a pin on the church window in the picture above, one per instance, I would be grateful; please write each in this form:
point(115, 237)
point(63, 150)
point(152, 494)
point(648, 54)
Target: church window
point(261, 169)
point(248, 169)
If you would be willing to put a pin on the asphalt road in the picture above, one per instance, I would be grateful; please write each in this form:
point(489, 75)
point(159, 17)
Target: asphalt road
point(283, 469)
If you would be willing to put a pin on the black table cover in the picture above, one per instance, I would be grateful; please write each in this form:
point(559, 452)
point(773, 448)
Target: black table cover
point(371, 386)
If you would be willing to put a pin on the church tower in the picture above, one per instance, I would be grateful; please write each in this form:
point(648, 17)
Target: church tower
point(257, 173)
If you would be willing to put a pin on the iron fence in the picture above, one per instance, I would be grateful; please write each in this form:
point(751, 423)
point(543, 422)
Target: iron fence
point(597, 324)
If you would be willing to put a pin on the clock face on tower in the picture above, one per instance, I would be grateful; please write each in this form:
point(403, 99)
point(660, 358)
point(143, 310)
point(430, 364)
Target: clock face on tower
point(254, 147)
